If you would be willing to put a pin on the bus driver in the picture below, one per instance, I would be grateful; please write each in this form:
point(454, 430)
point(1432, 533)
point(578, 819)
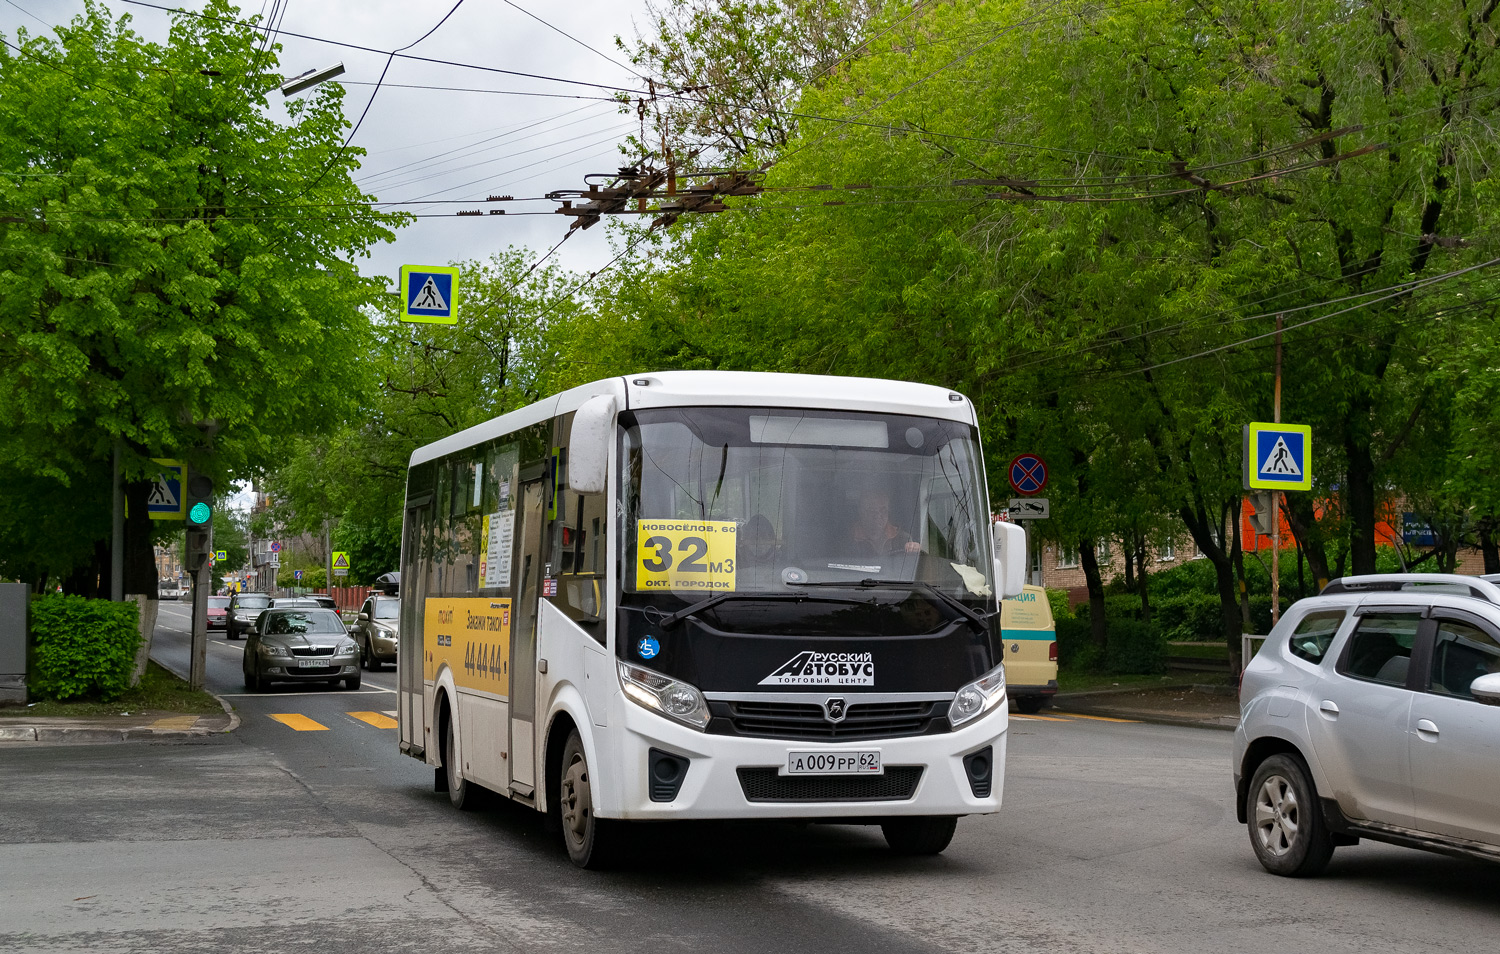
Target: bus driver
point(873, 534)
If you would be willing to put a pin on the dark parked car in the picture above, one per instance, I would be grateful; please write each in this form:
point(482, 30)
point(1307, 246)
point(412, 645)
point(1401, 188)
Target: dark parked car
point(299, 645)
point(243, 608)
point(218, 612)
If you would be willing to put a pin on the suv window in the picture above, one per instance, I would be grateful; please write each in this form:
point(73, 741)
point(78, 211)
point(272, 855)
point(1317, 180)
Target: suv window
point(1311, 637)
point(1380, 649)
point(1461, 654)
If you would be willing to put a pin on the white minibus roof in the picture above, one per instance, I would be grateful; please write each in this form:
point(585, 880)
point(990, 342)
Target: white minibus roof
point(724, 388)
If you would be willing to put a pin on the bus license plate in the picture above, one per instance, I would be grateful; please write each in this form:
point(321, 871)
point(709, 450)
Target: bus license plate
point(863, 762)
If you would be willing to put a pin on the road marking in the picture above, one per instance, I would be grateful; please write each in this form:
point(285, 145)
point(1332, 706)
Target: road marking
point(1080, 715)
point(176, 722)
point(299, 722)
point(389, 712)
point(1041, 718)
point(376, 719)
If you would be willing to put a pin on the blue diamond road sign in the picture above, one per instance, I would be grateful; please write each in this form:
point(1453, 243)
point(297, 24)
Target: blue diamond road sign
point(427, 294)
point(1278, 456)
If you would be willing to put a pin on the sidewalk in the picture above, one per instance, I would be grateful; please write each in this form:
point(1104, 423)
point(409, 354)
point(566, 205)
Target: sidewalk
point(1199, 706)
point(147, 725)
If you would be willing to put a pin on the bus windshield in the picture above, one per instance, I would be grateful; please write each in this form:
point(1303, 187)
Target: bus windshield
point(768, 500)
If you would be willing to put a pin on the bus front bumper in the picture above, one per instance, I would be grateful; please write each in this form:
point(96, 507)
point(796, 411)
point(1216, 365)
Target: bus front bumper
point(736, 777)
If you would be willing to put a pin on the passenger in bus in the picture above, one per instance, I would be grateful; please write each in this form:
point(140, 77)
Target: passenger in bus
point(873, 534)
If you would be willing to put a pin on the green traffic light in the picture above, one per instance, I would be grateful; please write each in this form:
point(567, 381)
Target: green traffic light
point(200, 512)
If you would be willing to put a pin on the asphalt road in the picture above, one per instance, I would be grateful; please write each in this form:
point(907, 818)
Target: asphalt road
point(1114, 837)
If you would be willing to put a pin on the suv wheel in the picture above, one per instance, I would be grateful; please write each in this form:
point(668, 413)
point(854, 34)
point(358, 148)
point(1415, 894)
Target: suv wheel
point(1285, 820)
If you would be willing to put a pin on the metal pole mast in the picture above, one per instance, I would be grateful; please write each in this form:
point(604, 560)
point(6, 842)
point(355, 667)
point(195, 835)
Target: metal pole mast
point(117, 533)
point(1276, 497)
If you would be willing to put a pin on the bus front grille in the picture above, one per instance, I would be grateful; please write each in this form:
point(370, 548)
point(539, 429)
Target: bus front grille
point(806, 721)
point(763, 784)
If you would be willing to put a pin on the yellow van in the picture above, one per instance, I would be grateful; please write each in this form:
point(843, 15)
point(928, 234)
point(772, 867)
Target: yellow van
point(1030, 648)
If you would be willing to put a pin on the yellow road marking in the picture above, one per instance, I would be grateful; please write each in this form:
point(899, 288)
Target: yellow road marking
point(378, 720)
point(1080, 715)
point(176, 722)
point(1041, 718)
point(299, 722)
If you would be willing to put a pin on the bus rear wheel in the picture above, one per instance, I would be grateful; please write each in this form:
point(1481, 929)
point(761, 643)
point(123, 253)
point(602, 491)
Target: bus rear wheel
point(592, 842)
point(923, 835)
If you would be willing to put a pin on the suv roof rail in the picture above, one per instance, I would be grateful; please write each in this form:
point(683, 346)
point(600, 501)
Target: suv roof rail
point(1473, 586)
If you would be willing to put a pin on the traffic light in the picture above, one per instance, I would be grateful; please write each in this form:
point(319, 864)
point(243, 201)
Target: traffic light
point(198, 494)
point(1263, 520)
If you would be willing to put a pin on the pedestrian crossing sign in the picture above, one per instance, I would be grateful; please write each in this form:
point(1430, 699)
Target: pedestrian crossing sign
point(1278, 456)
point(427, 294)
point(340, 563)
point(164, 502)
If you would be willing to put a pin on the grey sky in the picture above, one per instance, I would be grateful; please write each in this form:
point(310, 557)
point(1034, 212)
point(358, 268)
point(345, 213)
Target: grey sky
point(441, 144)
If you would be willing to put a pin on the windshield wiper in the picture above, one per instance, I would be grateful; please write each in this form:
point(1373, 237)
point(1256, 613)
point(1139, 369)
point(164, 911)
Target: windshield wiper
point(979, 623)
point(672, 619)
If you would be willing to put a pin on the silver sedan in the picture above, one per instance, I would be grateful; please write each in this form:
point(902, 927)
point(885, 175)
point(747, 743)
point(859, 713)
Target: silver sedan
point(299, 645)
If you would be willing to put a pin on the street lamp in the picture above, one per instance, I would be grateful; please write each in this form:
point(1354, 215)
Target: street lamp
point(296, 84)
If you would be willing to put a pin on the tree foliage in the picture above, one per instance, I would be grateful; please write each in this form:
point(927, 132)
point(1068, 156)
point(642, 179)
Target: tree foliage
point(423, 383)
point(1088, 217)
point(169, 256)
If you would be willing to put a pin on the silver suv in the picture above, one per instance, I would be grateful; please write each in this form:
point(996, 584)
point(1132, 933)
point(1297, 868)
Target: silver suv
point(1373, 711)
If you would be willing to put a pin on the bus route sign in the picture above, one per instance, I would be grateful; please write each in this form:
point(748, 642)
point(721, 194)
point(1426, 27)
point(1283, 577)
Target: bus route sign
point(686, 555)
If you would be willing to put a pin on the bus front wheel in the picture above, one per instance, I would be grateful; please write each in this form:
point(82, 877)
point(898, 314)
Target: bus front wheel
point(461, 792)
point(923, 835)
point(592, 842)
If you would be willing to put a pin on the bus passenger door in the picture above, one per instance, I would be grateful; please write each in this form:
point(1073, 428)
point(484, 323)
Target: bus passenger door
point(411, 701)
point(523, 639)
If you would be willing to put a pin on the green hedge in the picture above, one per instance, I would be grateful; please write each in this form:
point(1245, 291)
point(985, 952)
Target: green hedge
point(82, 647)
point(1135, 647)
point(1075, 648)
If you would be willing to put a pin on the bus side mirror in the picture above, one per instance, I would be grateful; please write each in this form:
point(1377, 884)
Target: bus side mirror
point(1010, 558)
point(588, 445)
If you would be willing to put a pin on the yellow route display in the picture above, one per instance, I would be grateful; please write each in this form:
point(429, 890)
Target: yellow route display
point(685, 555)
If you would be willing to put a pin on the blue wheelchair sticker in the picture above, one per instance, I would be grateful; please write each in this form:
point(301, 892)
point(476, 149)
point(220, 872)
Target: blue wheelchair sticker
point(648, 647)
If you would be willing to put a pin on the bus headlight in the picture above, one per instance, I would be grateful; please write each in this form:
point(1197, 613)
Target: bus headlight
point(978, 697)
point(663, 694)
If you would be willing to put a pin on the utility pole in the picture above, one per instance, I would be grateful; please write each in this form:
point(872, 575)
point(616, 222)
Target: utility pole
point(198, 547)
point(117, 532)
point(1276, 496)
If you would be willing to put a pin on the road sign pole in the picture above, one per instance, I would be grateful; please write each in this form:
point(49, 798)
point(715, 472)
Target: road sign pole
point(117, 534)
point(1276, 499)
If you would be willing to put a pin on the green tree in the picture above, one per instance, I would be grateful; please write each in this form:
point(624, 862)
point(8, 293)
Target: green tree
point(1203, 169)
point(422, 383)
point(176, 272)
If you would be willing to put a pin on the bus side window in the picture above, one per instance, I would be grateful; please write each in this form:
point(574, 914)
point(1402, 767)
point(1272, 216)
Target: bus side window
point(576, 528)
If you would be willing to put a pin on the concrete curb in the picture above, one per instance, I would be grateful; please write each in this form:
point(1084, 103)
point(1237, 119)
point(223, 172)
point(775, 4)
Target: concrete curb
point(1150, 717)
point(85, 732)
